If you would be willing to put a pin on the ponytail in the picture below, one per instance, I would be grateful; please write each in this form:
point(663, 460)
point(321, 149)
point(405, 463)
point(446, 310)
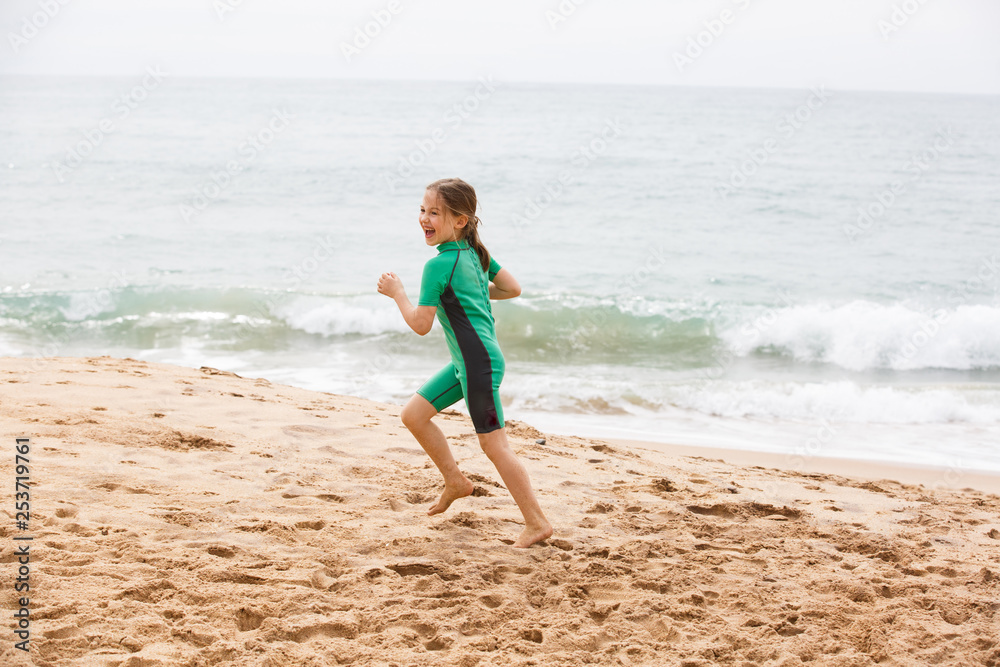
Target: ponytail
point(472, 236)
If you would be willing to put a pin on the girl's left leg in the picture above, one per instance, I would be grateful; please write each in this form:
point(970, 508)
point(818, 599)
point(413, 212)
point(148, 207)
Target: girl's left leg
point(514, 475)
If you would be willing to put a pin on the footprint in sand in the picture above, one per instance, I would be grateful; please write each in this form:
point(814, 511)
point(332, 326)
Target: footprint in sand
point(423, 570)
point(65, 632)
point(309, 430)
point(663, 485)
point(397, 506)
point(221, 551)
point(406, 450)
point(439, 644)
point(533, 635)
point(248, 619)
point(176, 440)
point(601, 508)
point(67, 512)
point(749, 510)
point(111, 486)
point(491, 601)
point(311, 627)
point(323, 579)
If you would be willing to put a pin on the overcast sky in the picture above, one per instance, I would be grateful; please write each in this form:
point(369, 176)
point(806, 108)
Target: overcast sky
point(915, 45)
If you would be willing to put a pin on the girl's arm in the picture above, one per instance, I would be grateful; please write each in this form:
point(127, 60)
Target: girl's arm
point(418, 318)
point(504, 285)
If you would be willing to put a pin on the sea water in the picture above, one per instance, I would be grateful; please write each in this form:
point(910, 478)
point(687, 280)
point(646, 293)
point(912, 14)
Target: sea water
point(812, 271)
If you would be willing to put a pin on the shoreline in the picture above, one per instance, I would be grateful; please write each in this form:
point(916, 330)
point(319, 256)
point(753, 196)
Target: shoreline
point(932, 477)
point(929, 475)
point(781, 446)
point(193, 516)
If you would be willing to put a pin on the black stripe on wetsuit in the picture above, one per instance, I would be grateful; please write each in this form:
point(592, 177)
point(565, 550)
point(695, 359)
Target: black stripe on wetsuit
point(478, 366)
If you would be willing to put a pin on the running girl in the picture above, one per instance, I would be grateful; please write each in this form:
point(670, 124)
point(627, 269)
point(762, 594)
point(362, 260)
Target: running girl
point(457, 285)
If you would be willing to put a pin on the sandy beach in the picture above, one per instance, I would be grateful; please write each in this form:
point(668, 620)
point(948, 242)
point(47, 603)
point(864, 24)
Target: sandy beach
point(195, 517)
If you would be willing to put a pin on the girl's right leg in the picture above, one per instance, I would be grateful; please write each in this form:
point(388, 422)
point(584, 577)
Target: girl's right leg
point(416, 416)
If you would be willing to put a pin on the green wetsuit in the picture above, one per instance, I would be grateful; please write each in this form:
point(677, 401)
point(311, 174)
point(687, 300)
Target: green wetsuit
point(454, 282)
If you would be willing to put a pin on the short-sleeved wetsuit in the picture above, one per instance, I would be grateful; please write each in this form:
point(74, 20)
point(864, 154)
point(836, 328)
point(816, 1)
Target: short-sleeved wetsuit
point(454, 282)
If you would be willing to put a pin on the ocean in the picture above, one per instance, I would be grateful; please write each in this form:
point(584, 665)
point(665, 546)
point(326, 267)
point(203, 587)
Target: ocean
point(810, 272)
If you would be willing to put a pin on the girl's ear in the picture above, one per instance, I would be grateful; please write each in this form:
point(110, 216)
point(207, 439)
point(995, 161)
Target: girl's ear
point(461, 221)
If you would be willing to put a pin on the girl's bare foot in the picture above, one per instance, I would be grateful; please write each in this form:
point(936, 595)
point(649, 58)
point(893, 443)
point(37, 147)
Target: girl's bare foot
point(533, 534)
point(450, 495)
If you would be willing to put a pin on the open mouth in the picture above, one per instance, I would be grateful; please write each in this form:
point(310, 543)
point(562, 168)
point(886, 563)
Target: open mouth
point(428, 233)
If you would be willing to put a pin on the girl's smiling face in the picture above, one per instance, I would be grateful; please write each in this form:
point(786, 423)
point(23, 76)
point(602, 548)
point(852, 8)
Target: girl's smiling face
point(437, 222)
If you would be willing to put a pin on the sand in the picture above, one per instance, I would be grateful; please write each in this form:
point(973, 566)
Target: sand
point(194, 517)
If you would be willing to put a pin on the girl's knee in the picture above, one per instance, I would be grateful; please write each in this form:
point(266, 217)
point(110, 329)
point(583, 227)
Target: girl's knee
point(491, 452)
point(410, 417)
point(494, 446)
point(417, 412)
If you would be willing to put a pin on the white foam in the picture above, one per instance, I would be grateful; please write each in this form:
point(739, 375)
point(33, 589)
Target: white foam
point(8, 350)
point(342, 315)
point(86, 305)
point(843, 401)
point(969, 448)
point(863, 335)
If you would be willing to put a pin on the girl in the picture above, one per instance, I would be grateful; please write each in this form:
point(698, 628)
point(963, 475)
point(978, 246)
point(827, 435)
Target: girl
point(457, 285)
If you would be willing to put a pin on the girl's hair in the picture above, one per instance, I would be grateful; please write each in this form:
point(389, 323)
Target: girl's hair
point(460, 199)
